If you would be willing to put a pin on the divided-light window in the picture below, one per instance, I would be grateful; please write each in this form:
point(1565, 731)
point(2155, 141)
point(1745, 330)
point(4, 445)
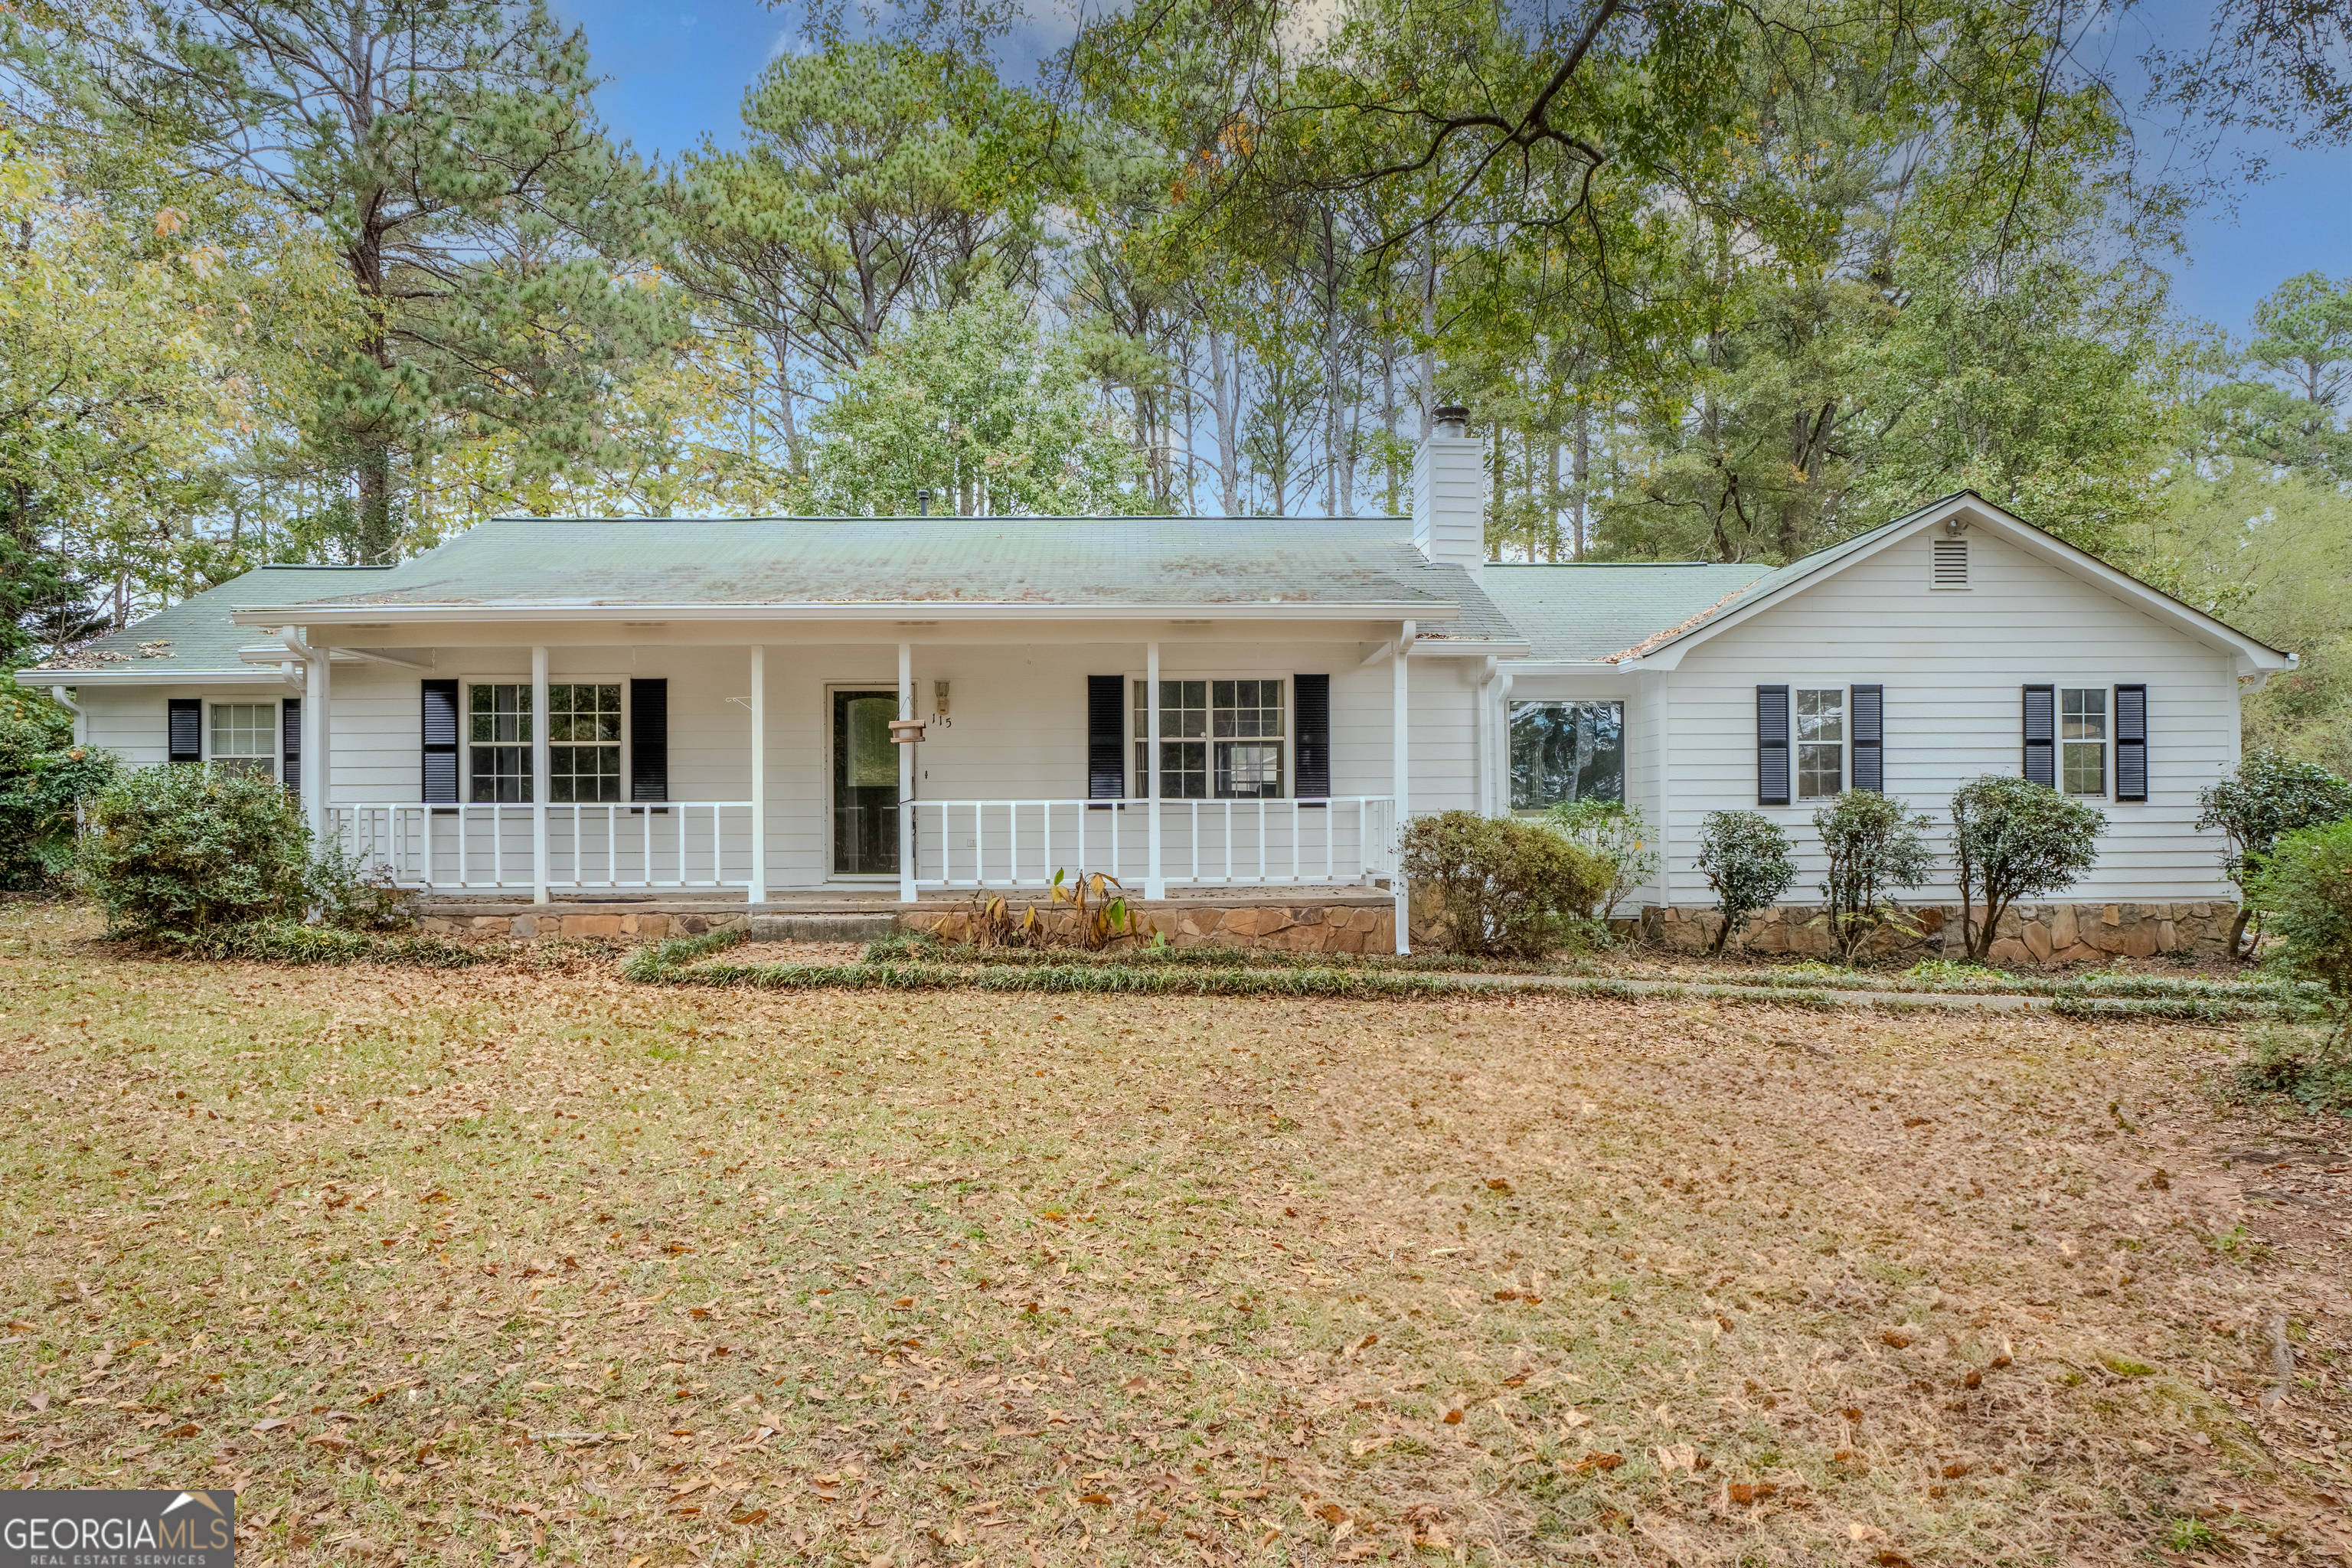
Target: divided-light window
point(1821, 744)
point(583, 743)
point(245, 738)
point(2083, 739)
point(1220, 740)
point(497, 732)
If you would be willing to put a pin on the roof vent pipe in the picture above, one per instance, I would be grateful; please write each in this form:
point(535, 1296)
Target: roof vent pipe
point(1449, 493)
point(923, 500)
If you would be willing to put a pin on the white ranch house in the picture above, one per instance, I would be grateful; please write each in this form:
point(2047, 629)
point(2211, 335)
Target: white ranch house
point(549, 710)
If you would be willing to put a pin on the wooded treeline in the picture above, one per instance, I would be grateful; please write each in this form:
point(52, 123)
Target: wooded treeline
point(329, 279)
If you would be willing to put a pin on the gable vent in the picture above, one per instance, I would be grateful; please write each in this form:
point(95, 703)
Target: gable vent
point(1951, 564)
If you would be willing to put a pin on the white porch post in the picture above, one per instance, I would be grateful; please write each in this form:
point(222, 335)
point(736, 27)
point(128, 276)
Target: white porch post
point(1155, 883)
point(318, 732)
point(1662, 703)
point(758, 892)
point(907, 777)
point(1402, 784)
point(539, 776)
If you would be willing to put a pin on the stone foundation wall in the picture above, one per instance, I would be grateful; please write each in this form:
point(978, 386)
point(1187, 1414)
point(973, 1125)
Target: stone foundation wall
point(1286, 928)
point(2028, 933)
point(607, 927)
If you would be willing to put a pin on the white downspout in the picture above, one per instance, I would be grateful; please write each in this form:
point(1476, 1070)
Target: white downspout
point(756, 893)
point(540, 774)
point(57, 695)
point(905, 749)
point(315, 698)
point(1399, 748)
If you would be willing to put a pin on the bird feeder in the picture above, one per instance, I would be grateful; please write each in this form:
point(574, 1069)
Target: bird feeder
point(906, 732)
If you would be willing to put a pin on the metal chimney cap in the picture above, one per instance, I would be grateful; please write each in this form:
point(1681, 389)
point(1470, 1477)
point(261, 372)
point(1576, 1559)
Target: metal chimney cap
point(1450, 418)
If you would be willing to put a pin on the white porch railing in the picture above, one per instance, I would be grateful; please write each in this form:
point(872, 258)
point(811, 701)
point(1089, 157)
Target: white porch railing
point(1202, 843)
point(484, 846)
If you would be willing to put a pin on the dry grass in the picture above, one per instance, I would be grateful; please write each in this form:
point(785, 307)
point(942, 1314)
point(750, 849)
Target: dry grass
point(856, 1277)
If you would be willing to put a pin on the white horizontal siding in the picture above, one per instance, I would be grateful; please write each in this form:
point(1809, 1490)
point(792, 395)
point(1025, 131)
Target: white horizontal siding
point(1954, 665)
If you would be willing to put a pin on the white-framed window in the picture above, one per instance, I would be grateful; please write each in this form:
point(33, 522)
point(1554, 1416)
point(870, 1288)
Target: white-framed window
point(584, 741)
point(2083, 739)
point(1563, 751)
point(1821, 742)
point(243, 738)
point(498, 741)
point(1220, 739)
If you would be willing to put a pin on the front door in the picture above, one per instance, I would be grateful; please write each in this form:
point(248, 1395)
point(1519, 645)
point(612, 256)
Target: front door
point(865, 784)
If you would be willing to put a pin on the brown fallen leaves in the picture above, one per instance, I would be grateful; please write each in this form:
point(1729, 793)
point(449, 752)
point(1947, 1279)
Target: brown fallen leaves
point(852, 1277)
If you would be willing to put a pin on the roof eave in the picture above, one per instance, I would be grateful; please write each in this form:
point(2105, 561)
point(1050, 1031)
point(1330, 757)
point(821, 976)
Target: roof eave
point(241, 674)
point(898, 610)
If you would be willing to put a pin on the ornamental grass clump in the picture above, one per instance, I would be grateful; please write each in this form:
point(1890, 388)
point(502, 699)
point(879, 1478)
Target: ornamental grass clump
point(1510, 889)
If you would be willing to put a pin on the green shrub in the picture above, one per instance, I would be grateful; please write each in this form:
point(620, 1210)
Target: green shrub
point(1511, 888)
point(1745, 857)
point(42, 776)
point(2271, 794)
point(1877, 845)
point(184, 847)
point(2014, 839)
point(2310, 1067)
point(1615, 834)
point(2304, 891)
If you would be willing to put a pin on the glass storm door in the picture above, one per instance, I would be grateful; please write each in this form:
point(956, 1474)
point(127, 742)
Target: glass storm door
point(865, 784)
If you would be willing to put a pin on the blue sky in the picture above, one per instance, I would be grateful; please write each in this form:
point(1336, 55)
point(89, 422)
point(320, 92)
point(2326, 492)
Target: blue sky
point(678, 71)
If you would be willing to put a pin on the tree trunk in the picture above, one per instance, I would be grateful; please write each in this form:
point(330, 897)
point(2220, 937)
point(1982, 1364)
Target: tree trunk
point(374, 543)
point(1429, 334)
point(1388, 415)
point(779, 344)
point(1582, 460)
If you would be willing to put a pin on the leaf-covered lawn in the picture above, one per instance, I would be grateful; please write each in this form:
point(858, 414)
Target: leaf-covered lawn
point(538, 1265)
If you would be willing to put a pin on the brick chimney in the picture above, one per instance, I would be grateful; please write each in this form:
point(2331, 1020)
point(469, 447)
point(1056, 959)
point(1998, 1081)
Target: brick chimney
point(1449, 493)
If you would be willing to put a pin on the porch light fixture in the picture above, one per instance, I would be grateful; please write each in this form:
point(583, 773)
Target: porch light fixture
point(906, 732)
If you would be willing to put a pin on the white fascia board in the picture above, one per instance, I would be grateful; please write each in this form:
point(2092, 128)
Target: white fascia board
point(246, 675)
point(275, 653)
point(1465, 647)
point(1575, 667)
point(1267, 610)
point(2052, 550)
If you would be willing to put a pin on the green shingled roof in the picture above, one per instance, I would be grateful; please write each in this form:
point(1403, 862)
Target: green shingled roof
point(1586, 614)
point(1113, 562)
point(195, 636)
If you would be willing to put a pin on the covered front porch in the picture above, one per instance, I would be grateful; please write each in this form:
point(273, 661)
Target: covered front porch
point(770, 777)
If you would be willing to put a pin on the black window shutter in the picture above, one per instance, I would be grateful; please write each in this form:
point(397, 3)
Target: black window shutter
point(440, 778)
point(187, 728)
point(2131, 743)
point(1771, 745)
point(649, 740)
point(2042, 735)
point(1870, 739)
point(290, 743)
point(1105, 738)
point(1311, 743)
